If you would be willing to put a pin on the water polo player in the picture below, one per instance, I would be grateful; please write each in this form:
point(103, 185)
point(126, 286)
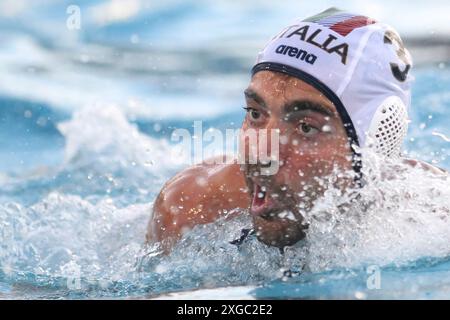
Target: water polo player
point(329, 85)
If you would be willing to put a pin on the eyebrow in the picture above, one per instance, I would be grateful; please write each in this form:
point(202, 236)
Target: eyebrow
point(250, 94)
point(294, 106)
point(307, 105)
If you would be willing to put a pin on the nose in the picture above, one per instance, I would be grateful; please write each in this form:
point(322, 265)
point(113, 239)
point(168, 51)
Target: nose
point(264, 149)
point(259, 165)
point(271, 131)
point(267, 139)
point(257, 172)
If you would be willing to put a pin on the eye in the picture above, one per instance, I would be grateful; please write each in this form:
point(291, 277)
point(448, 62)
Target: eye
point(254, 114)
point(307, 130)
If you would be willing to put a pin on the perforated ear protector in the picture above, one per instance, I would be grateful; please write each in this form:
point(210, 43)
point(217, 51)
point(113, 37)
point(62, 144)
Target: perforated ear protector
point(388, 127)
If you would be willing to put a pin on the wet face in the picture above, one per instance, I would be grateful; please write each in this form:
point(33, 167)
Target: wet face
point(312, 145)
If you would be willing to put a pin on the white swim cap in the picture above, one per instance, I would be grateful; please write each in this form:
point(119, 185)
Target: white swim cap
point(359, 64)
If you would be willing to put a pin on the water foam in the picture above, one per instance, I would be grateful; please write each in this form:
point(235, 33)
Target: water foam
point(402, 216)
point(65, 237)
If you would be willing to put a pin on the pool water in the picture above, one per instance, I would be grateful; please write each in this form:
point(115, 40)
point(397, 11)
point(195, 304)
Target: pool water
point(86, 119)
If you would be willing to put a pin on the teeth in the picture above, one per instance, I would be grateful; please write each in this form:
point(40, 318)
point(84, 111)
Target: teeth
point(260, 195)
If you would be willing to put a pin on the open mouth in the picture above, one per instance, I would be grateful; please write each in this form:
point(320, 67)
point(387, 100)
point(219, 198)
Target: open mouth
point(262, 203)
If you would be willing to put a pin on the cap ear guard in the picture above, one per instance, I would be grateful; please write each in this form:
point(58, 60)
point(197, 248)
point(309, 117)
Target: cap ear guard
point(388, 127)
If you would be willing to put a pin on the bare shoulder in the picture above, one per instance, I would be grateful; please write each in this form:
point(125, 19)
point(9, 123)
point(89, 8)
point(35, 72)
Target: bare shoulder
point(426, 166)
point(197, 195)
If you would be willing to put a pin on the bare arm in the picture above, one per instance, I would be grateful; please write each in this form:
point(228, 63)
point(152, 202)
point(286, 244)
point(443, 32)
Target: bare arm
point(197, 195)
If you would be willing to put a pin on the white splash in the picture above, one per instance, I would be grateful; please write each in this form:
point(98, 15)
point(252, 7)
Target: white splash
point(402, 214)
point(441, 135)
point(63, 233)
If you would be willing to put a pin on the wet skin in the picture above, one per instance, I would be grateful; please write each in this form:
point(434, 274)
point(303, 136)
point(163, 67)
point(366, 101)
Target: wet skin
point(313, 143)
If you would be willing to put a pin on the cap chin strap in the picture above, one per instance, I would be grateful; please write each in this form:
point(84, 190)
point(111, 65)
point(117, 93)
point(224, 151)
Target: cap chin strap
point(346, 120)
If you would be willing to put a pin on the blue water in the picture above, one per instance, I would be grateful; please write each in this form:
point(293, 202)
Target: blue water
point(86, 119)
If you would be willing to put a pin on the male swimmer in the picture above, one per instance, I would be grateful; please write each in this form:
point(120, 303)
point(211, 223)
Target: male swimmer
point(328, 84)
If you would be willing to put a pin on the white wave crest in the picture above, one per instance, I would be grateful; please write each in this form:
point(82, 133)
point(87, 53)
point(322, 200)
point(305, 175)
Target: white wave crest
point(99, 132)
